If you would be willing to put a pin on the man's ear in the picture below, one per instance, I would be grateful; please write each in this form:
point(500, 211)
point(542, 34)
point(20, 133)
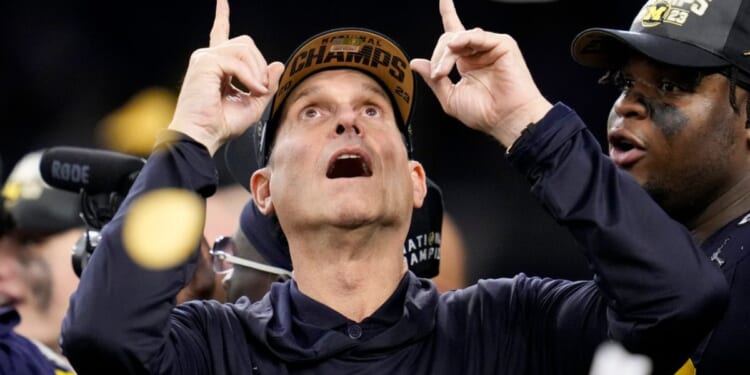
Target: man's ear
point(260, 187)
point(419, 182)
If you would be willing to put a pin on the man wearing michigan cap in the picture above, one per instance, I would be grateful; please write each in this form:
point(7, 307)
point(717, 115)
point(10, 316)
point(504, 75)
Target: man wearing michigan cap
point(680, 127)
point(339, 177)
point(36, 275)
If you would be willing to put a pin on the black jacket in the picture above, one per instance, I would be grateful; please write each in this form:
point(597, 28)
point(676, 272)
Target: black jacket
point(651, 283)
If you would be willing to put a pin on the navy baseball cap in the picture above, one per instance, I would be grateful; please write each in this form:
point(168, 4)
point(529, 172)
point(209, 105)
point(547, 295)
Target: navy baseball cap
point(361, 49)
point(694, 34)
point(421, 247)
point(34, 207)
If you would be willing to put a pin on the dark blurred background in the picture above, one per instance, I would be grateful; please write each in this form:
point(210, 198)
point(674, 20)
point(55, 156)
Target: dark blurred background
point(67, 66)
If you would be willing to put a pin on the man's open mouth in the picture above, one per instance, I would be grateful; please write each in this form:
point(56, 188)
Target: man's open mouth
point(348, 165)
point(625, 150)
point(622, 144)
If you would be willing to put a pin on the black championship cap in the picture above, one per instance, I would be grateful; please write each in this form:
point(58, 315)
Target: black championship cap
point(34, 207)
point(347, 48)
point(687, 33)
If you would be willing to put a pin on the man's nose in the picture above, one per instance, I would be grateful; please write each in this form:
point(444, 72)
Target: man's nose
point(631, 104)
point(341, 129)
point(347, 122)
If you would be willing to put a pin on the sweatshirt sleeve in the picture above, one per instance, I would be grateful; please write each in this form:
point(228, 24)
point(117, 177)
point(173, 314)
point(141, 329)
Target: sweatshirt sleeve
point(118, 319)
point(662, 294)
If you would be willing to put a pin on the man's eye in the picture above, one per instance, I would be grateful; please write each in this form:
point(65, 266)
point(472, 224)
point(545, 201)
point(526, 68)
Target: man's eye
point(671, 87)
point(371, 111)
point(617, 79)
point(622, 83)
point(310, 113)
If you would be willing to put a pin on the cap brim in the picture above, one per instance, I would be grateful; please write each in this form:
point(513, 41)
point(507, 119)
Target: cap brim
point(608, 48)
point(52, 212)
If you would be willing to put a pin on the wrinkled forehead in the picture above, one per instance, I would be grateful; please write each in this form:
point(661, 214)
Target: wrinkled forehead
point(322, 82)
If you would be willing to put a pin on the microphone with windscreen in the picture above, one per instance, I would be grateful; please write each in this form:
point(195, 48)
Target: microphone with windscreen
point(91, 170)
point(102, 178)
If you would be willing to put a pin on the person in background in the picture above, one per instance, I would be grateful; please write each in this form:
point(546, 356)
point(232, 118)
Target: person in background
point(453, 266)
point(36, 276)
point(223, 210)
point(680, 127)
point(46, 226)
point(253, 258)
point(203, 283)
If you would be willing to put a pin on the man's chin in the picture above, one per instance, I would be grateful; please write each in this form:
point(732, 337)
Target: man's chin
point(353, 222)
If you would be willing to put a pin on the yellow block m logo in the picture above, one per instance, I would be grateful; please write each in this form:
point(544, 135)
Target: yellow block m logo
point(654, 14)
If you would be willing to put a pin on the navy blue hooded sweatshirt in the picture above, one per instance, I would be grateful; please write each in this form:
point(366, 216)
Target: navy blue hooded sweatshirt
point(19, 355)
point(654, 291)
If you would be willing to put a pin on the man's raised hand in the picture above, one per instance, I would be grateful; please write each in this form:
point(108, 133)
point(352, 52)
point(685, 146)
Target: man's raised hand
point(210, 109)
point(495, 93)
